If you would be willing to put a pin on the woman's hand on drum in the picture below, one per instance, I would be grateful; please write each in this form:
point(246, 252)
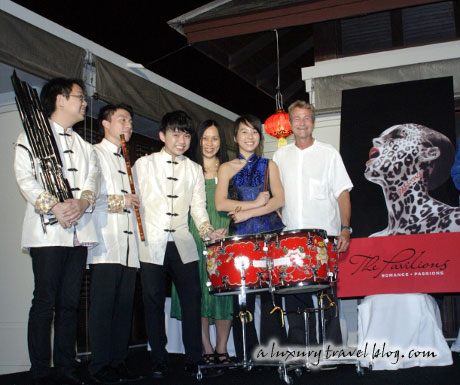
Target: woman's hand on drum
point(344, 241)
point(217, 234)
point(262, 199)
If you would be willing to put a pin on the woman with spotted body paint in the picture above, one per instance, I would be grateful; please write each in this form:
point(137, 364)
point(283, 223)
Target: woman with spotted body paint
point(407, 161)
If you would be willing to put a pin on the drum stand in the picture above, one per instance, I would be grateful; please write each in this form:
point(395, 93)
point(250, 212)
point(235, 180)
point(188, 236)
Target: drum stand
point(245, 317)
point(284, 369)
point(305, 363)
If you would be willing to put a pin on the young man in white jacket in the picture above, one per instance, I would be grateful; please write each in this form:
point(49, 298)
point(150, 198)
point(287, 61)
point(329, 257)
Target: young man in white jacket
point(115, 260)
point(59, 254)
point(170, 186)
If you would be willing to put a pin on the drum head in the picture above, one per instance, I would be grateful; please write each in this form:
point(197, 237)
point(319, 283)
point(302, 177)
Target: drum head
point(321, 232)
point(249, 290)
point(302, 287)
point(236, 238)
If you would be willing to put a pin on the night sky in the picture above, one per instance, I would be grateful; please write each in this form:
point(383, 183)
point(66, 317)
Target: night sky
point(139, 32)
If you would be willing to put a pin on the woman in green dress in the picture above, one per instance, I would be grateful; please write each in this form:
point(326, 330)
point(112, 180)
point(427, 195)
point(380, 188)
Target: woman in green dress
point(210, 153)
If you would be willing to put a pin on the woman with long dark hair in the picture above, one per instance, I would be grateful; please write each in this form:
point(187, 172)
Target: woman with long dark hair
point(210, 153)
point(240, 192)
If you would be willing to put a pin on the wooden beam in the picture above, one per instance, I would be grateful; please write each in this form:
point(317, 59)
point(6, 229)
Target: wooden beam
point(292, 90)
point(285, 61)
point(213, 51)
point(251, 48)
point(297, 14)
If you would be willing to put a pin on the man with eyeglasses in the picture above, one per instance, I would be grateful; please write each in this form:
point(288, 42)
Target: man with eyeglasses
point(59, 254)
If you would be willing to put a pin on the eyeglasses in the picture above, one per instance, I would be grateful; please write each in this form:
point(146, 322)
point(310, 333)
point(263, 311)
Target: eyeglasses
point(81, 97)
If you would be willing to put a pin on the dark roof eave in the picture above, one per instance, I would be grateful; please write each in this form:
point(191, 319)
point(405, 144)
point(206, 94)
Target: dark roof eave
point(287, 16)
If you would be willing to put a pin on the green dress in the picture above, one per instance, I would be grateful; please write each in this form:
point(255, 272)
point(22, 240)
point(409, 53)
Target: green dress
point(212, 307)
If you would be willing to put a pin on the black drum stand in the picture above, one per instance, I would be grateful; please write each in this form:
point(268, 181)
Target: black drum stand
point(287, 289)
point(245, 316)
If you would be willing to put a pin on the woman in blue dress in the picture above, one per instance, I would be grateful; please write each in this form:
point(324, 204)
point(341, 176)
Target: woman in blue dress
point(240, 192)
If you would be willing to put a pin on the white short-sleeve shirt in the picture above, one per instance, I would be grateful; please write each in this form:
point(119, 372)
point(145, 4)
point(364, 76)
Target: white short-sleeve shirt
point(313, 179)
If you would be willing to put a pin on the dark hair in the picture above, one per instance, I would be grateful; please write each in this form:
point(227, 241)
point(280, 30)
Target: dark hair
point(222, 153)
point(55, 87)
point(107, 111)
point(177, 121)
point(250, 120)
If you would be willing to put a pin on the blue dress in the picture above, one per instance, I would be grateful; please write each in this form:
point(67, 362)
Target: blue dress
point(246, 185)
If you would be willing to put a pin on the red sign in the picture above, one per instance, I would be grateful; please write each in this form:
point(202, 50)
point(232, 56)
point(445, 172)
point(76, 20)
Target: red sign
point(422, 263)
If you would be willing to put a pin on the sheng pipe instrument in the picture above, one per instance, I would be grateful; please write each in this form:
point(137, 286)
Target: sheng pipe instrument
point(42, 143)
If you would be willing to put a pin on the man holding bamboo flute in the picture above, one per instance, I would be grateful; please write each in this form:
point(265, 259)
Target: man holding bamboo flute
point(114, 261)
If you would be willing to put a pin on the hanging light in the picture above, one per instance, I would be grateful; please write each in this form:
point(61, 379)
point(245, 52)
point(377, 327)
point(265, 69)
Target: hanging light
point(278, 124)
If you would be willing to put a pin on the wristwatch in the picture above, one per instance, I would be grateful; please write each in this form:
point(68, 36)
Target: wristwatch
point(347, 228)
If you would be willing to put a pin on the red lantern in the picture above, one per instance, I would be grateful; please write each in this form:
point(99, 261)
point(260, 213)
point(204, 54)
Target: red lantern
point(278, 126)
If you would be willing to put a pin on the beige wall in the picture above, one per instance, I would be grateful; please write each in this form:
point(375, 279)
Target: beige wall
point(16, 279)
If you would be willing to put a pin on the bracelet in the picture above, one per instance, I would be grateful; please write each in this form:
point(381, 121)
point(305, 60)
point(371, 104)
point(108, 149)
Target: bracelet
point(204, 229)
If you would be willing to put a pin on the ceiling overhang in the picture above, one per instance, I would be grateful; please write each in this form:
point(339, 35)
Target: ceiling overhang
point(308, 12)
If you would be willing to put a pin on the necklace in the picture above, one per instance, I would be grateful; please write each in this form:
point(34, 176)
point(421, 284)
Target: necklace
point(211, 171)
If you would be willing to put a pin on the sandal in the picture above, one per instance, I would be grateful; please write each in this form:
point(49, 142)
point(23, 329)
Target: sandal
point(223, 358)
point(209, 359)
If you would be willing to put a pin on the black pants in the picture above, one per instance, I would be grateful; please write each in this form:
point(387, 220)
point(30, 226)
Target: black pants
point(58, 275)
point(270, 324)
point(110, 313)
point(296, 335)
point(186, 278)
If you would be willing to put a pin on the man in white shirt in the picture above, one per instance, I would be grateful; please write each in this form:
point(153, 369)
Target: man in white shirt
point(59, 254)
point(170, 186)
point(115, 260)
point(316, 189)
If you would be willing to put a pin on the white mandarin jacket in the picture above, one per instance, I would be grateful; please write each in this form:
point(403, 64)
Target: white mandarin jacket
point(116, 230)
point(167, 190)
point(86, 177)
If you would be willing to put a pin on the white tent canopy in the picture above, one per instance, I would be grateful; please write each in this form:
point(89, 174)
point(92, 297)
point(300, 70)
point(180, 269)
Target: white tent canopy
point(43, 48)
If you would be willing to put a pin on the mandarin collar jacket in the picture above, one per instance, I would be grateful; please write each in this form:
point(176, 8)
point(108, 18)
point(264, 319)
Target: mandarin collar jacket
point(81, 170)
point(117, 226)
point(168, 190)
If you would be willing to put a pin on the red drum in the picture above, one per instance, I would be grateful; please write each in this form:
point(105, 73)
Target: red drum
point(300, 260)
point(231, 258)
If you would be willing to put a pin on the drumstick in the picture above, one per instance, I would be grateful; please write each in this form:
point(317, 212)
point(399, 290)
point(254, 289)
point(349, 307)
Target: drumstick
point(131, 183)
point(266, 183)
point(266, 177)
